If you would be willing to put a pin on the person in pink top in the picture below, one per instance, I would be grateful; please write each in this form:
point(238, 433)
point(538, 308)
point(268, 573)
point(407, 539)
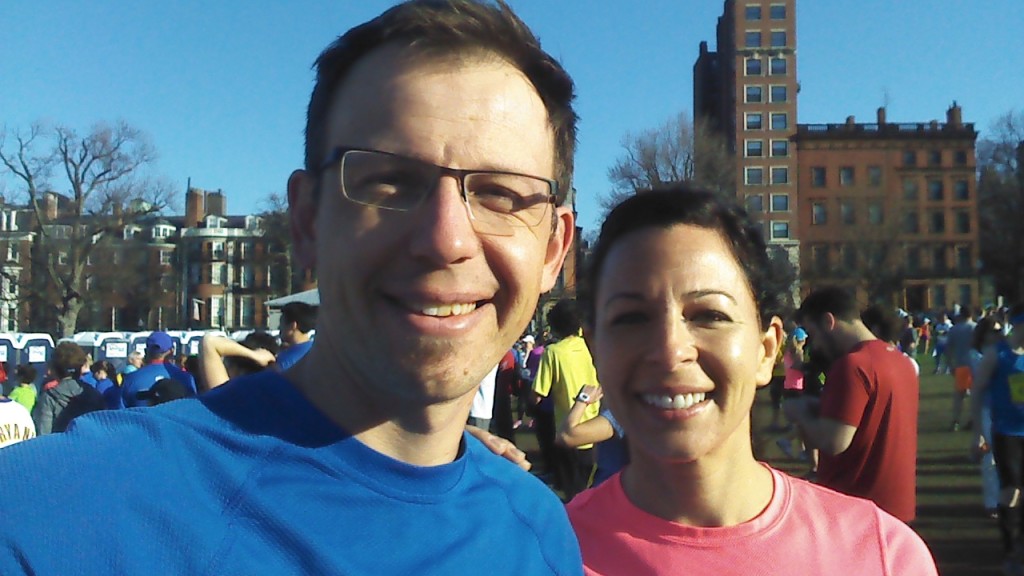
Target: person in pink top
point(684, 325)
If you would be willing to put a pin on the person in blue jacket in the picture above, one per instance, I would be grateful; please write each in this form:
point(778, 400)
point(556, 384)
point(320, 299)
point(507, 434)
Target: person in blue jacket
point(434, 204)
point(159, 346)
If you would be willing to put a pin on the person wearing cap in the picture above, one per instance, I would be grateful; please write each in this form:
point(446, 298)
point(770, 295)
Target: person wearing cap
point(865, 423)
point(1000, 385)
point(792, 388)
point(158, 347)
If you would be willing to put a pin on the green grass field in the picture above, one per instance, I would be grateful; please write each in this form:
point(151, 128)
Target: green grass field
point(950, 515)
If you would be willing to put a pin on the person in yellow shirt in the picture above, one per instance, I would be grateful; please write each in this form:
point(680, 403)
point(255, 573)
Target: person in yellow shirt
point(565, 368)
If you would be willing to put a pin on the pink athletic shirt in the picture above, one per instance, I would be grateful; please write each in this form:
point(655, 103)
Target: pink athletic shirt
point(805, 530)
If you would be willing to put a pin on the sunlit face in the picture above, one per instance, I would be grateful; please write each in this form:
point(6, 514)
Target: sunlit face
point(678, 344)
point(417, 304)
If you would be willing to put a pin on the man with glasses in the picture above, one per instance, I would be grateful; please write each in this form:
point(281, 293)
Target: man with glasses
point(439, 146)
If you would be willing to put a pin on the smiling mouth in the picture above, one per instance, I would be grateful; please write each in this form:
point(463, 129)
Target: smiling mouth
point(673, 402)
point(445, 310)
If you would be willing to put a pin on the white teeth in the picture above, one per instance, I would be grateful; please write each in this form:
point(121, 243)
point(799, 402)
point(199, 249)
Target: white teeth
point(676, 402)
point(449, 309)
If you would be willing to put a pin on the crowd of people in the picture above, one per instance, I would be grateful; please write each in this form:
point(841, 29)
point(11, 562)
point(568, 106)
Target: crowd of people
point(434, 204)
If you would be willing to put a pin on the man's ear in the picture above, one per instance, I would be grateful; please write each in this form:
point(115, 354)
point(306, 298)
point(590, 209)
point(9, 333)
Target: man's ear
point(302, 205)
point(559, 244)
point(771, 342)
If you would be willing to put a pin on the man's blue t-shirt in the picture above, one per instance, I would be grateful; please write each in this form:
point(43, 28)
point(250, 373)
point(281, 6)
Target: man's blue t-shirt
point(251, 478)
point(287, 357)
point(144, 378)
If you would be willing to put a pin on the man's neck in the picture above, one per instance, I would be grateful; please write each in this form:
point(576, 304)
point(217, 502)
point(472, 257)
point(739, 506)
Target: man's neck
point(402, 429)
point(298, 338)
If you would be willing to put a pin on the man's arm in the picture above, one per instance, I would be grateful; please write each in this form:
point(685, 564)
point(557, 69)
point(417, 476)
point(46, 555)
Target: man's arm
point(830, 436)
point(213, 349)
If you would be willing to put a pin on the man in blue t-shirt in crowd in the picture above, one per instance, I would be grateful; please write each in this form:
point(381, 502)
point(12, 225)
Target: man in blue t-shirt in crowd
point(433, 204)
point(158, 347)
point(298, 319)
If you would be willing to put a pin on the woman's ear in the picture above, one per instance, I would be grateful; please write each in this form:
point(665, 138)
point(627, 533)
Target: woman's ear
point(771, 343)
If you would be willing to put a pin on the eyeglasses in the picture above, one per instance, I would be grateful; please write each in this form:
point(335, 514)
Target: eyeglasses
point(497, 201)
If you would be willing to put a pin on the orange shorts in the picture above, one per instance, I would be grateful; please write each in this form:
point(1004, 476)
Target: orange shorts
point(962, 379)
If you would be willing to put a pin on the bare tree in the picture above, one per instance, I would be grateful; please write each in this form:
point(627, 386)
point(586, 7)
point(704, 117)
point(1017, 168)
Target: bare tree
point(1001, 203)
point(677, 152)
point(104, 188)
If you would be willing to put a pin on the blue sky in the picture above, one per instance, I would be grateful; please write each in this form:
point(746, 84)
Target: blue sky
point(221, 87)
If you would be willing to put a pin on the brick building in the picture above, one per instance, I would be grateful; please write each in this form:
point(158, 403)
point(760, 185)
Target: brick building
point(890, 208)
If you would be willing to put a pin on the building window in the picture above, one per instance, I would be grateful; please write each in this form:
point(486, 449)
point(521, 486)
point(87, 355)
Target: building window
point(216, 311)
point(247, 311)
point(874, 176)
point(780, 121)
point(913, 260)
point(846, 175)
point(217, 250)
point(780, 230)
point(909, 158)
point(779, 93)
point(819, 256)
point(778, 38)
point(754, 148)
point(960, 158)
point(778, 67)
point(849, 257)
point(966, 296)
point(780, 148)
point(875, 215)
point(780, 175)
point(909, 189)
point(935, 158)
point(819, 216)
point(753, 67)
point(62, 257)
point(777, 12)
point(818, 176)
point(165, 257)
point(935, 191)
point(937, 222)
point(780, 202)
point(963, 222)
point(911, 223)
point(752, 39)
point(847, 215)
point(753, 94)
point(755, 203)
point(939, 260)
point(753, 176)
point(752, 13)
point(245, 250)
point(961, 191)
point(754, 121)
point(963, 259)
point(13, 254)
point(939, 296)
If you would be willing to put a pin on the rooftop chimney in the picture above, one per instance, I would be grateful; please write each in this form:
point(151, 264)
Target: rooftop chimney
point(881, 115)
point(954, 116)
point(195, 199)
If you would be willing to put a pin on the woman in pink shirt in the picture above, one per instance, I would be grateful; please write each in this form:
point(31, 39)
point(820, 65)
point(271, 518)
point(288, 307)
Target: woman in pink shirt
point(684, 327)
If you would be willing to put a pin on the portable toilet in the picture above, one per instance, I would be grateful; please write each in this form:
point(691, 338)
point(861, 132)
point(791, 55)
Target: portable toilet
point(137, 341)
point(8, 355)
point(112, 347)
point(192, 338)
point(36, 349)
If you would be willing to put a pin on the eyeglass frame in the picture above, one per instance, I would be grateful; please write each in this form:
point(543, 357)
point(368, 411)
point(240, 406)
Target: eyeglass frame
point(337, 155)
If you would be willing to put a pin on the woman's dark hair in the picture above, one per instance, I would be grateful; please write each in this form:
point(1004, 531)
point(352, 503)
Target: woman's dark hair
point(104, 366)
point(667, 207)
